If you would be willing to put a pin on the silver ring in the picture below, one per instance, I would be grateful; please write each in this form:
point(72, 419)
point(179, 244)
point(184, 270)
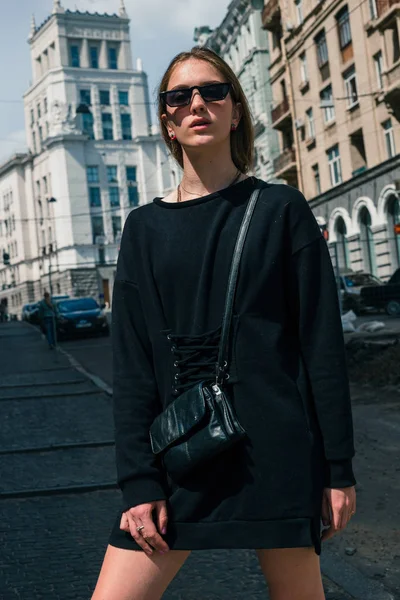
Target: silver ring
point(140, 528)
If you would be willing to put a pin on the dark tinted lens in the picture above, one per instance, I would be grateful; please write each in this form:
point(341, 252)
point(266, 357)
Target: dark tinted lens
point(178, 97)
point(215, 91)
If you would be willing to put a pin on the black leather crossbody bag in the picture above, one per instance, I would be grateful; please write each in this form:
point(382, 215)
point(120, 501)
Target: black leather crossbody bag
point(201, 422)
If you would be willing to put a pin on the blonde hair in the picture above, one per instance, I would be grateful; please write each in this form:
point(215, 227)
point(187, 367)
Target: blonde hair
point(242, 139)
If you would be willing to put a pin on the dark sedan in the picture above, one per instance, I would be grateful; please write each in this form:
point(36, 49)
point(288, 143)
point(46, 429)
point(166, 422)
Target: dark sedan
point(77, 316)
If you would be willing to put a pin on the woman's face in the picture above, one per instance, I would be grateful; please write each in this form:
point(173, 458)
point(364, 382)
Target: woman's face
point(218, 116)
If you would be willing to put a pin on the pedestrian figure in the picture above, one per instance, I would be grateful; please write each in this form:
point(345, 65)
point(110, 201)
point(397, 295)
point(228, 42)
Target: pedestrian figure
point(3, 312)
point(47, 319)
point(292, 471)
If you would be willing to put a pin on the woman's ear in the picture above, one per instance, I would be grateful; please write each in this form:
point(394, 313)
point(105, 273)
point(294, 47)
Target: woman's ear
point(169, 129)
point(237, 113)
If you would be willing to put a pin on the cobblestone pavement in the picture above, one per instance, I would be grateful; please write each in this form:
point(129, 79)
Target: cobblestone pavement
point(55, 433)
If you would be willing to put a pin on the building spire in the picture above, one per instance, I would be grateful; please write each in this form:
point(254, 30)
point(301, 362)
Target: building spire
point(57, 8)
point(33, 27)
point(122, 10)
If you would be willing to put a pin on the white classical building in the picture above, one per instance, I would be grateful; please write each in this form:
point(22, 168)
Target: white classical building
point(243, 44)
point(93, 156)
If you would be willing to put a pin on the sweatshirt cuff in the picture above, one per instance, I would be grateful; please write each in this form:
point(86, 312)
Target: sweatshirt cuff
point(339, 474)
point(141, 491)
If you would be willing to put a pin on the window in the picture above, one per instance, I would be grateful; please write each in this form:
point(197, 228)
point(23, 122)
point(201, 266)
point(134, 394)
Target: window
point(123, 98)
point(114, 196)
point(112, 58)
point(343, 23)
point(34, 142)
point(133, 196)
point(303, 68)
point(389, 138)
point(87, 125)
point(378, 60)
point(32, 117)
point(335, 169)
point(45, 186)
point(105, 97)
point(75, 60)
point(327, 104)
point(106, 119)
point(94, 57)
point(92, 174)
point(39, 112)
point(131, 174)
point(45, 105)
point(373, 9)
point(310, 123)
point(350, 85)
point(97, 227)
point(112, 174)
point(322, 49)
point(41, 134)
point(85, 97)
point(299, 11)
point(94, 196)
point(116, 227)
point(126, 125)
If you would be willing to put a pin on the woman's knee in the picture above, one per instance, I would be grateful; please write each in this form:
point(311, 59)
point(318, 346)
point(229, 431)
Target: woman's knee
point(132, 575)
point(292, 573)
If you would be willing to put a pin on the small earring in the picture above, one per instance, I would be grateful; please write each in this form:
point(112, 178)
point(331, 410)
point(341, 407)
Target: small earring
point(172, 136)
point(233, 127)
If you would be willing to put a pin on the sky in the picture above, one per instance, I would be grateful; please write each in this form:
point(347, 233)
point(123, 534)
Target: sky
point(159, 30)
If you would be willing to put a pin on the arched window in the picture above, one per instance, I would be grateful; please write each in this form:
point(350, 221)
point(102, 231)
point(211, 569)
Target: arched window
point(367, 241)
point(393, 218)
point(342, 245)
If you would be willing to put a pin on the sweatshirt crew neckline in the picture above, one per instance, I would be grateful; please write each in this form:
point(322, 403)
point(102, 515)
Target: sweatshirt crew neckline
point(203, 199)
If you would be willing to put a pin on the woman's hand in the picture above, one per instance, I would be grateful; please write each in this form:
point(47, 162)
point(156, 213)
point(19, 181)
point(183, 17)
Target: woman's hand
point(142, 515)
point(338, 506)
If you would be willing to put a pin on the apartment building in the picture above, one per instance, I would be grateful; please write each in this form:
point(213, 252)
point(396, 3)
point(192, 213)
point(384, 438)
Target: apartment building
point(93, 156)
point(243, 44)
point(335, 77)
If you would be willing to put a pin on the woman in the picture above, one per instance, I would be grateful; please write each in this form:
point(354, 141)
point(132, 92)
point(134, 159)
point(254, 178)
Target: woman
point(47, 317)
point(288, 375)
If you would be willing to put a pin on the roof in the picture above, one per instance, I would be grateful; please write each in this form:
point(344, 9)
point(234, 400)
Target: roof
point(79, 13)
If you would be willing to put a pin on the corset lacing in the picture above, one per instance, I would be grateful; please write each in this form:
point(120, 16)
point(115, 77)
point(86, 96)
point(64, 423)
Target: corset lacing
point(195, 358)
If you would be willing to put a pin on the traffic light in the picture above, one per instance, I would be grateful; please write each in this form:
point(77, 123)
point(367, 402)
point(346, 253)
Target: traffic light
point(6, 258)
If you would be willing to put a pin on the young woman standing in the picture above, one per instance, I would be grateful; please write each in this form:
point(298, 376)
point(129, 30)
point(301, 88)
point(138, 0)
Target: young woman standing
point(287, 374)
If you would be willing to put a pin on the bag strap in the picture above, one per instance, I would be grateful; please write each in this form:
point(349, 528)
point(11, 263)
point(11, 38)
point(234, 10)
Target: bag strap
point(222, 363)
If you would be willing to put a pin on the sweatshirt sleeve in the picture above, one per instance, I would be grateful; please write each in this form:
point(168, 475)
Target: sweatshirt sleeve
point(315, 302)
point(135, 396)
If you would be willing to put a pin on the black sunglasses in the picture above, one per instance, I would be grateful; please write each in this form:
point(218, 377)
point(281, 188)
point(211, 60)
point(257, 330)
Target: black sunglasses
point(211, 92)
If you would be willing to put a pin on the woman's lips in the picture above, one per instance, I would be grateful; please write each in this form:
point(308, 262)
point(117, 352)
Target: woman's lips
point(201, 126)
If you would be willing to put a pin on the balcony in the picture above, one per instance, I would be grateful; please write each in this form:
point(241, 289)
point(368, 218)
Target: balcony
point(271, 16)
point(285, 166)
point(391, 92)
point(280, 115)
point(382, 6)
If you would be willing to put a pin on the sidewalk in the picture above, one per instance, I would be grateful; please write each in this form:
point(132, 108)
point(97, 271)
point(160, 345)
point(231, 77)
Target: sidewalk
point(58, 498)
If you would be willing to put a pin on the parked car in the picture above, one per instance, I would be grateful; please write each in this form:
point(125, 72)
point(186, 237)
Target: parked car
point(384, 296)
point(75, 316)
point(351, 284)
point(27, 310)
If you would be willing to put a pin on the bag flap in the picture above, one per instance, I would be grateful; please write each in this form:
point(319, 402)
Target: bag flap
point(178, 418)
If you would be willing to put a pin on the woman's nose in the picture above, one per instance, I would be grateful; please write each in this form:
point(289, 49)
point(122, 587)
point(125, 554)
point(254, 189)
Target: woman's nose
point(197, 102)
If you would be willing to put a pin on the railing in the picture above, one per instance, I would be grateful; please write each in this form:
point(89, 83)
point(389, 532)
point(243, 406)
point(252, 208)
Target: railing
point(270, 14)
point(383, 6)
point(393, 74)
point(280, 110)
point(287, 157)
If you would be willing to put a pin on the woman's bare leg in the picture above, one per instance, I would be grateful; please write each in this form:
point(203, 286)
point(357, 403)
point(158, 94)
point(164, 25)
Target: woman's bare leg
point(292, 573)
point(132, 575)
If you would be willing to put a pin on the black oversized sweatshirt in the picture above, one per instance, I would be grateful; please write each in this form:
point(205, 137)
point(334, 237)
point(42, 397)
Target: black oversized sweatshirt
point(288, 378)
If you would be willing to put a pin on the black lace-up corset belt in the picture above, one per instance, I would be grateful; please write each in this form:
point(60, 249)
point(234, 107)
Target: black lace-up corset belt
point(194, 358)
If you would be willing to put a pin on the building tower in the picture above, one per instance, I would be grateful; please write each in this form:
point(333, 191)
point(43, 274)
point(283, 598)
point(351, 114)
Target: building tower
point(92, 156)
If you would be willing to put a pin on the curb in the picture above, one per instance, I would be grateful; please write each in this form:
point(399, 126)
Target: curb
point(57, 491)
point(93, 378)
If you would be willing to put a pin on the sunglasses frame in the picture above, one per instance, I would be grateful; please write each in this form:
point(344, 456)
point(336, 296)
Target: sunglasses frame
point(199, 88)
